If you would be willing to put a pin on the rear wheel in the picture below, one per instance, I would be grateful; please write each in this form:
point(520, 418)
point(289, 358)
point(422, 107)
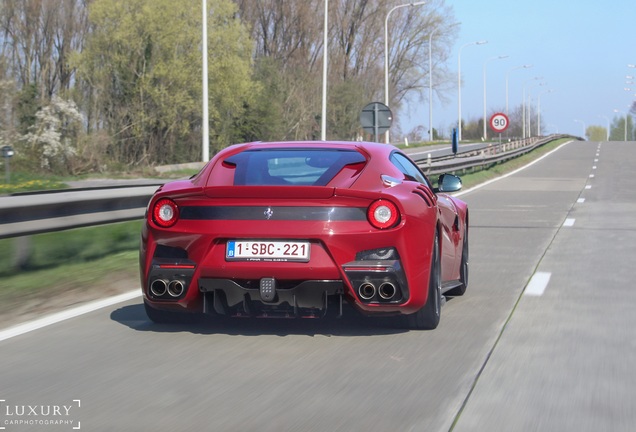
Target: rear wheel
point(168, 317)
point(428, 317)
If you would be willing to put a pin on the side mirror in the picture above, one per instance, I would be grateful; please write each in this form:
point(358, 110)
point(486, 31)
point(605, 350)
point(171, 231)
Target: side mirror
point(449, 183)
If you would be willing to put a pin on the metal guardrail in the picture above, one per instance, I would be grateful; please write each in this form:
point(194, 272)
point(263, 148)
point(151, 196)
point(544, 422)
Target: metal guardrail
point(28, 214)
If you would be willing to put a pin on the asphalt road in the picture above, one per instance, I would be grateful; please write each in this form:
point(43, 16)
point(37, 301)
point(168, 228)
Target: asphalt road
point(556, 357)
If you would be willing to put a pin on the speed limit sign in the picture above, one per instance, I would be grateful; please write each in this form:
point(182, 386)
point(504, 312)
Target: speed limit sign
point(499, 122)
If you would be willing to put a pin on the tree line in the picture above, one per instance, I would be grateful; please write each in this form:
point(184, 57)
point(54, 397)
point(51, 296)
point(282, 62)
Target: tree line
point(90, 85)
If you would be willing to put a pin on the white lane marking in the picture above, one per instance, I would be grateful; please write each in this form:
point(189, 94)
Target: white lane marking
point(595, 160)
point(580, 200)
point(55, 318)
point(588, 187)
point(594, 167)
point(537, 285)
point(591, 175)
point(569, 222)
point(486, 183)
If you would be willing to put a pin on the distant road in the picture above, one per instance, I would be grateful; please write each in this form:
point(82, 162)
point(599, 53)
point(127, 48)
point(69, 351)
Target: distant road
point(557, 358)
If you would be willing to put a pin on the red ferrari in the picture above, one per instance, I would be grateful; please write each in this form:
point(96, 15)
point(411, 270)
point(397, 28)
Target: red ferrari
point(294, 229)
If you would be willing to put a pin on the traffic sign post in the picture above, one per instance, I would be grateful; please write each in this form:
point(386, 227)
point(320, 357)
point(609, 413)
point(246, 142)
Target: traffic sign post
point(376, 118)
point(499, 122)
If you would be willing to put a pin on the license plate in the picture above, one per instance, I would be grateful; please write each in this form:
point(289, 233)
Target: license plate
point(258, 250)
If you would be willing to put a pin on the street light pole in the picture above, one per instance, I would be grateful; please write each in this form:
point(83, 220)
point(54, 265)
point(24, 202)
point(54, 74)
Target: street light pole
point(608, 126)
point(386, 54)
point(206, 122)
point(323, 127)
point(507, 76)
point(625, 117)
point(430, 85)
point(485, 135)
point(459, 87)
point(584, 127)
point(523, 108)
point(539, 111)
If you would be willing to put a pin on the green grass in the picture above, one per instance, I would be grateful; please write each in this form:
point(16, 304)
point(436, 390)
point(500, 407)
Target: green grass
point(73, 275)
point(21, 182)
point(82, 245)
point(474, 178)
point(92, 257)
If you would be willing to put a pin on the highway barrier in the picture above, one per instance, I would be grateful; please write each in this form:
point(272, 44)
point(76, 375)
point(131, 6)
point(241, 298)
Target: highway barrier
point(34, 213)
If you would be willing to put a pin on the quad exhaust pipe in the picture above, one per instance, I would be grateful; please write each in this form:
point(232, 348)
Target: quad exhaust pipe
point(161, 287)
point(387, 291)
point(366, 291)
point(176, 288)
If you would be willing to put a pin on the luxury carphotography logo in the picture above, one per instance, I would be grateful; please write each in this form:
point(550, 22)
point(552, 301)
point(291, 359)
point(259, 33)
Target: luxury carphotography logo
point(18, 416)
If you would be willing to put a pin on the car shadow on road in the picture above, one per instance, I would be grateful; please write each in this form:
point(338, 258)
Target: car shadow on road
point(350, 324)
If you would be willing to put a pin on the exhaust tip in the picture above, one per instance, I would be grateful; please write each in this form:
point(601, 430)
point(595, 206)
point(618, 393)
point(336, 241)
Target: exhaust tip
point(176, 288)
point(158, 287)
point(387, 291)
point(366, 291)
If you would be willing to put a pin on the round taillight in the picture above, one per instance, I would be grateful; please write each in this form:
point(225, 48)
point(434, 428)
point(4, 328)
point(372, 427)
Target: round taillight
point(383, 214)
point(165, 213)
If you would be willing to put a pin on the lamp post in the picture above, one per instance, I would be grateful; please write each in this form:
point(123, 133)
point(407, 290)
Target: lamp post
point(386, 54)
point(323, 124)
point(430, 85)
point(529, 117)
point(583, 123)
point(459, 87)
point(507, 76)
point(485, 63)
point(539, 111)
point(625, 116)
point(205, 151)
point(608, 125)
point(523, 107)
point(430, 82)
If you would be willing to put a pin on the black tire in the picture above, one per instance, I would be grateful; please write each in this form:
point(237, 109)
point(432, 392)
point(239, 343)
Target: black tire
point(428, 317)
point(463, 270)
point(168, 317)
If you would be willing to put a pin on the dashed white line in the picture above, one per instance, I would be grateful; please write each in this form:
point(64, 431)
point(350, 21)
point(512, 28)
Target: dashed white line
point(537, 285)
point(569, 222)
point(588, 186)
point(580, 200)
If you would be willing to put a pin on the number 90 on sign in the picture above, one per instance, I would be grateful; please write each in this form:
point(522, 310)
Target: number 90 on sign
point(499, 122)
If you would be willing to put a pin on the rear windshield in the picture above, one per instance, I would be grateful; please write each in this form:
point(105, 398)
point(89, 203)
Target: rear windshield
point(293, 167)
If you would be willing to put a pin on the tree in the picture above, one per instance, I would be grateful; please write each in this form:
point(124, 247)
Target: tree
point(143, 63)
point(290, 33)
point(596, 133)
point(622, 128)
point(37, 37)
point(50, 144)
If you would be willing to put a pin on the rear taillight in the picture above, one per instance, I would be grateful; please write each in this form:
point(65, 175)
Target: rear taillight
point(165, 213)
point(383, 214)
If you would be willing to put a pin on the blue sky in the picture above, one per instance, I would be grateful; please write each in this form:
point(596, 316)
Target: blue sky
point(581, 50)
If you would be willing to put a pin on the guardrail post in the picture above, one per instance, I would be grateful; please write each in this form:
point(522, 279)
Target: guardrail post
point(22, 251)
point(428, 160)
